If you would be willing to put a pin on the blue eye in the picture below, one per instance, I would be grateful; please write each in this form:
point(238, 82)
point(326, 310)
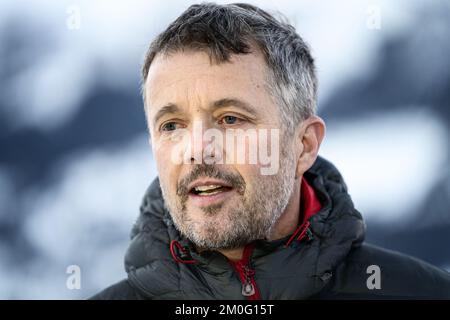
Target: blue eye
point(169, 126)
point(230, 119)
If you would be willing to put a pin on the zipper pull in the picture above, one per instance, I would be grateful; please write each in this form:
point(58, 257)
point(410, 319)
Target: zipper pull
point(245, 273)
point(248, 289)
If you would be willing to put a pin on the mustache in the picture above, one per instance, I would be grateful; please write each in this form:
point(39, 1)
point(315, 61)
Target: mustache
point(210, 171)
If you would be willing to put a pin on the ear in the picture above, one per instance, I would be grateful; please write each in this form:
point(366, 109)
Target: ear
point(309, 138)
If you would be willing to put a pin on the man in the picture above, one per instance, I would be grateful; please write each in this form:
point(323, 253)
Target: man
point(262, 218)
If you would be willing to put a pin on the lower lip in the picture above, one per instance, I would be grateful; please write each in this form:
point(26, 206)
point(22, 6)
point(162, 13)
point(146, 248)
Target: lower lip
point(203, 201)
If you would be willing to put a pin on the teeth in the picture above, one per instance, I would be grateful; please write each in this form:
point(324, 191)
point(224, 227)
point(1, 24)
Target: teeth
point(208, 193)
point(206, 188)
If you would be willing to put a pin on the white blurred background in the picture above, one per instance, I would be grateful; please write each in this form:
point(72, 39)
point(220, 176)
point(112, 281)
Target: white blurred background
point(74, 156)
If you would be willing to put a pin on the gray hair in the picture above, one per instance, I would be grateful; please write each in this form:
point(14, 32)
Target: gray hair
point(222, 30)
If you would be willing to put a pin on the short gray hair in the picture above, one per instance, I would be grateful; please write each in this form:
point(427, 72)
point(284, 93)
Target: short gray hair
point(222, 30)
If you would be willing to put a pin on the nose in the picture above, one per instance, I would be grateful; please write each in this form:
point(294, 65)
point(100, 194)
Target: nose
point(205, 144)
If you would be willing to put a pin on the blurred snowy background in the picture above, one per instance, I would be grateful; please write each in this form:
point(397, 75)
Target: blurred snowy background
point(74, 157)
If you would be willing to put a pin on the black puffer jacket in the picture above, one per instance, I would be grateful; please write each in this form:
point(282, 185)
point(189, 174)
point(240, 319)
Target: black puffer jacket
point(331, 263)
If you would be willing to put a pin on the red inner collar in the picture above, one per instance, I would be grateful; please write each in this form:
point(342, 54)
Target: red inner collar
point(309, 203)
point(309, 206)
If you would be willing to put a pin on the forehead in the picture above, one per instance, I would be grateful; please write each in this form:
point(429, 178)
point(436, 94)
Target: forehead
point(182, 76)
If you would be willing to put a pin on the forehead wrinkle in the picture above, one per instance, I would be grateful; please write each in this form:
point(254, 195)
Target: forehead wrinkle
point(191, 95)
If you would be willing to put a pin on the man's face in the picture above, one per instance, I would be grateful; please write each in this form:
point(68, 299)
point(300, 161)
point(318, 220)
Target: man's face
point(216, 200)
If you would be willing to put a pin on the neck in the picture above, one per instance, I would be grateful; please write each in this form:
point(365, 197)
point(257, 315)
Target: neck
point(284, 226)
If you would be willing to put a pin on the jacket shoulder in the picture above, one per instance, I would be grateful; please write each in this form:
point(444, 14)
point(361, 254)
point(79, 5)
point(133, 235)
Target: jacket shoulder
point(371, 272)
point(122, 290)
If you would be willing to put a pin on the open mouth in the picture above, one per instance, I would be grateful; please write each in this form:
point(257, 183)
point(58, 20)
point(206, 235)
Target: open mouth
point(209, 190)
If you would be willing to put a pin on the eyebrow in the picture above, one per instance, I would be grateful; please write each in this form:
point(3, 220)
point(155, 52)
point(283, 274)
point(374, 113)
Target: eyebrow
point(168, 108)
point(228, 102)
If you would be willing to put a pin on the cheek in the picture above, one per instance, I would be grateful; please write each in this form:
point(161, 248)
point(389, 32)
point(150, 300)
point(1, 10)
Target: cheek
point(257, 183)
point(250, 173)
point(167, 170)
